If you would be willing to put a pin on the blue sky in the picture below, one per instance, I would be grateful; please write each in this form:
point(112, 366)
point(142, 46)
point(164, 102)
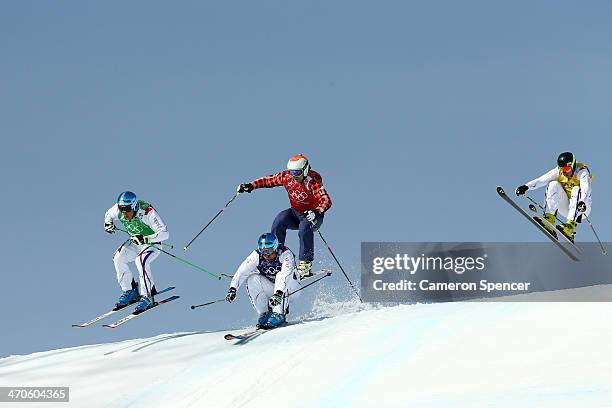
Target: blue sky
point(413, 112)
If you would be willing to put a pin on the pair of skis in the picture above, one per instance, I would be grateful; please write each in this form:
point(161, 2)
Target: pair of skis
point(250, 335)
point(128, 317)
point(246, 336)
point(537, 221)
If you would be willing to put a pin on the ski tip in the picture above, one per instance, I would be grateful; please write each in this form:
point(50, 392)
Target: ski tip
point(78, 325)
point(500, 191)
point(229, 337)
point(109, 326)
point(169, 299)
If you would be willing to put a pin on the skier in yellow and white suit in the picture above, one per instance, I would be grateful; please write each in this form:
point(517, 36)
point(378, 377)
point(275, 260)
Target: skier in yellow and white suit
point(568, 192)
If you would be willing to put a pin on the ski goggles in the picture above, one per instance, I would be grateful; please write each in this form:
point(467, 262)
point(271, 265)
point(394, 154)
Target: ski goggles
point(566, 169)
point(125, 208)
point(267, 251)
point(296, 173)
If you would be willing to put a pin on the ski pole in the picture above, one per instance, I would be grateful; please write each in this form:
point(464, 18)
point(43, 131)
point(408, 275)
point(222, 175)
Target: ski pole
point(211, 221)
point(338, 262)
point(187, 262)
point(288, 294)
point(154, 245)
point(311, 283)
point(535, 204)
point(170, 246)
point(208, 303)
point(161, 243)
point(532, 207)
point(603, 250)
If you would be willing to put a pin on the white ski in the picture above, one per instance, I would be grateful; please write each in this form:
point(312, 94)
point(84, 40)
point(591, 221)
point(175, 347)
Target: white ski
point(135, 315)
point(111, 312)
point(534, 220)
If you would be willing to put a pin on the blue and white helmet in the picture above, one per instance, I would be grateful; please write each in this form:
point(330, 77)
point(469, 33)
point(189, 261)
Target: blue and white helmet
point(267, 243)
point(127, 200)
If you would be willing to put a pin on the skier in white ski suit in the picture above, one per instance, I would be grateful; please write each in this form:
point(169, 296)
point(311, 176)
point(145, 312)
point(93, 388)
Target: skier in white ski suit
point(270, 274)
point(568, 191)
point(145, 227)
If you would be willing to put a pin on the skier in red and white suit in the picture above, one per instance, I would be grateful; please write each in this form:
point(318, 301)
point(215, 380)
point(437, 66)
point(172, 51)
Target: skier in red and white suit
point(309, 202)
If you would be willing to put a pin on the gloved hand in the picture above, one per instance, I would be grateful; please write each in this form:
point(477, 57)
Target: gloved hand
point(520, 190)
point(310, 215)
point(276, 298)
point(140, 240)
point(581, 206)
point(110, 227)
point(231, 295)
point(245, 188)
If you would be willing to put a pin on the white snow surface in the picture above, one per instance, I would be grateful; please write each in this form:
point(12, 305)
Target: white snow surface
point(347, 355)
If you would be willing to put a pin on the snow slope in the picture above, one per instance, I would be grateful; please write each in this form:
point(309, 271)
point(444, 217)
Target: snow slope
point(439, 355)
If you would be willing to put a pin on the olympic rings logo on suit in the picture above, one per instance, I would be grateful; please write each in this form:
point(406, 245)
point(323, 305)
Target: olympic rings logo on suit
point(300, 196)
point(269, 270)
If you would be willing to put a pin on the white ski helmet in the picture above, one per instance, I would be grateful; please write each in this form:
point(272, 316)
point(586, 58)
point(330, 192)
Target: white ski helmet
point(298, 165)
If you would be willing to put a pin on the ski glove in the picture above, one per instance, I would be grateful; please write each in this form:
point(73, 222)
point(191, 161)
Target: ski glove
point(581, 207)
point(245, 188)
point(276, 298)
point(231, 295)
point(140, 240)
point(520, 190)
point(310, 215)
point(110, 227)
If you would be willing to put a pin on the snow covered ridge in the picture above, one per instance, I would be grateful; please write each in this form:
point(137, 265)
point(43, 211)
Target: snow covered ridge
point(427, 355)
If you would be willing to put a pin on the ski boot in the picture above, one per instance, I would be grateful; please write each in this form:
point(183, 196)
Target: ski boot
point(274, 320)
point(548, 223)
point(550, 217)
point(127, 298)
point(304, 269)
point(144, 303)
point(568, 229)
point(263, 318)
